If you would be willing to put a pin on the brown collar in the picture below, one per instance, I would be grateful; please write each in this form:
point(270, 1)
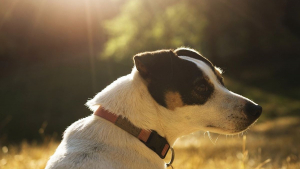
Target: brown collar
point(151, 139)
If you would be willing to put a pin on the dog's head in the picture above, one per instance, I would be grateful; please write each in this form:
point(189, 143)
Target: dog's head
point(191, 87)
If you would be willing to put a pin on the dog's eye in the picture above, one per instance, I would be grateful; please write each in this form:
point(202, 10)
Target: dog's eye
point(202, 88)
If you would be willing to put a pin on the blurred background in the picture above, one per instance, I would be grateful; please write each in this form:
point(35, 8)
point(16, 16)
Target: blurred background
point(55, 55)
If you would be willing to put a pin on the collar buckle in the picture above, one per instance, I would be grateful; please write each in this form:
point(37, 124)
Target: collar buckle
point(158, 144)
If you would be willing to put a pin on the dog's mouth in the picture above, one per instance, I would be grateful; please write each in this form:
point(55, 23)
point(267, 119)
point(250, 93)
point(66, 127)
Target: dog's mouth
point(245, 127)
point(238, 123)
point(235, 127)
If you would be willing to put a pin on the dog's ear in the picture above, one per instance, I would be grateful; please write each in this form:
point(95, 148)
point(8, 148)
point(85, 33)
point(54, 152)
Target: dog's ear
point(193, 54)
point(157, 65)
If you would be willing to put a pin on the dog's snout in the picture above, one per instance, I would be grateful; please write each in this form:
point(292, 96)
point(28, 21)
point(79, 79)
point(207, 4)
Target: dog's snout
point(252, 110)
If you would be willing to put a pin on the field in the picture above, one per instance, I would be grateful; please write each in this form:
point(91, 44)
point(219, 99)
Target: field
point(272, 143)
point(269, 145)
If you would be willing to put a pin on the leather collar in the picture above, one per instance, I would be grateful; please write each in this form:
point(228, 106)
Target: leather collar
point(151, 139)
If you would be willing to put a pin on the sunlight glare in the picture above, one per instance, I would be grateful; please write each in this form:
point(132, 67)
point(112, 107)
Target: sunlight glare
point(8, 13)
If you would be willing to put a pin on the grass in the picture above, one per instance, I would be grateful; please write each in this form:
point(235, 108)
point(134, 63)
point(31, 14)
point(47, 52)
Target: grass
point(272, 143)
point(268, 145)
point(26, 156)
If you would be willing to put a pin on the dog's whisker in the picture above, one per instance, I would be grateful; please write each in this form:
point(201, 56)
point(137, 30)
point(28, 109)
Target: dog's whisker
point(217, 138)
point(209, 136)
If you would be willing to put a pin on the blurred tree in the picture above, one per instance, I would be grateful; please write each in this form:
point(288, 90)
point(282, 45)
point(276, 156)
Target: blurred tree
point(248, 36)
point(150, 25)
point(292, 15)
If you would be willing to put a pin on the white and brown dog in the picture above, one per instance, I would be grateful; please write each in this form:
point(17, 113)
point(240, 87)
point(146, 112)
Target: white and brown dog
point(137, 118)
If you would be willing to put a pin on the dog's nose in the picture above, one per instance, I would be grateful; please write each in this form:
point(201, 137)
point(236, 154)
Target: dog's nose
point(252, 110)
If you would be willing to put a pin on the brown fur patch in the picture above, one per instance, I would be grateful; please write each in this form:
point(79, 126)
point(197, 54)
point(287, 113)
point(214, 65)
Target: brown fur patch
point(173, 100)
point(209, 82)
point(143, 72)
point(141, 68)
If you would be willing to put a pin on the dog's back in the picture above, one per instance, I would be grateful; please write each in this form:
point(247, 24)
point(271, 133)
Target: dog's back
point(91, 143)
point(94, 142)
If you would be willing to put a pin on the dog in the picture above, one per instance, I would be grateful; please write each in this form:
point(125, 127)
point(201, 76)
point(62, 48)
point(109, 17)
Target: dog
point(138, 118)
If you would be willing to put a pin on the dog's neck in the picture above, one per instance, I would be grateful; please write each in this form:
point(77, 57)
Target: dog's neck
point(129, 97)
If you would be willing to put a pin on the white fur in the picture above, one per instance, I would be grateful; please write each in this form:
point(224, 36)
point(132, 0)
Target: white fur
point(218, 108)
point(93, 142)
point(128, 96)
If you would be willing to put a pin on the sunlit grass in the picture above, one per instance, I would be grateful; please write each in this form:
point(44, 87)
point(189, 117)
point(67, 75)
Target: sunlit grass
point(269, 145)
point(26, 156)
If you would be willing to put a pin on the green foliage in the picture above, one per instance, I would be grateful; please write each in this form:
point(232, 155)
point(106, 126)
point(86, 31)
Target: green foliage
point(145, 25)
point(221, 30)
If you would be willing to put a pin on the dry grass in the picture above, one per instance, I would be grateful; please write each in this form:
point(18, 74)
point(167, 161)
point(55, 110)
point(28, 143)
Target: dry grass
point(269, 145)
point(26, 156)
